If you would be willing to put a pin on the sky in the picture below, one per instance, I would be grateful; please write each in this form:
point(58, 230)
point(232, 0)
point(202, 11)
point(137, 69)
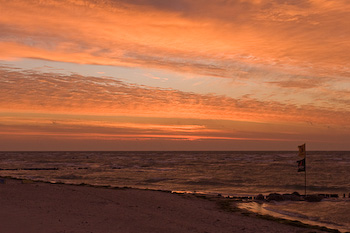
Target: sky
point(174, 75)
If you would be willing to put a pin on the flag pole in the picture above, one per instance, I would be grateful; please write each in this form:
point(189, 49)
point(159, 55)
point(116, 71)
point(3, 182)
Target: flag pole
point(302, 163)
point(305, 173)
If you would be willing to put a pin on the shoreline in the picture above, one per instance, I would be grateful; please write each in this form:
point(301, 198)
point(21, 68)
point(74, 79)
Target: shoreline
point(41, 206)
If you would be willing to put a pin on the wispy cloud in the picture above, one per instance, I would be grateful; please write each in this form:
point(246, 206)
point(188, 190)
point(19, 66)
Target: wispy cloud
point(193, 36)
point(49, 92)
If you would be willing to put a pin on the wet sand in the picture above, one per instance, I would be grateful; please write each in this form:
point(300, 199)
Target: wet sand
point(43, 207)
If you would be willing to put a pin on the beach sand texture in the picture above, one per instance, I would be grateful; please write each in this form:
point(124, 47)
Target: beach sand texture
point(43, 207)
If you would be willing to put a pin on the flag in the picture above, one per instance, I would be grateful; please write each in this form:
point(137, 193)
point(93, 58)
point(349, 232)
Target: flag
point(302, 151)
point(301, 165)
point(302, 155)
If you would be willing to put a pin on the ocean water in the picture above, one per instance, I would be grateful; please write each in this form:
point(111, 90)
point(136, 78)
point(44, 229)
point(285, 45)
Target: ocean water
point(227, 173)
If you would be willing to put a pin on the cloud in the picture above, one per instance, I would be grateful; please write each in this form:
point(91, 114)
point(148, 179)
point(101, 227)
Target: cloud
point(89, 132)
point(189, 36)
point(300, 83)
point(27, 90)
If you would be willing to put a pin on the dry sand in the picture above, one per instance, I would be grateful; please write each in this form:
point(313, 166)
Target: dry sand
point(44, 208)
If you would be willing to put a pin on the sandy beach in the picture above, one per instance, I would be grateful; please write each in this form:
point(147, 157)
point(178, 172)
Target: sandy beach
point(43, 207)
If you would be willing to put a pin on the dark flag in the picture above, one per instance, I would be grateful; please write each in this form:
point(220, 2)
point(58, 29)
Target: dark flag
point(302, 155)
point(301, 165)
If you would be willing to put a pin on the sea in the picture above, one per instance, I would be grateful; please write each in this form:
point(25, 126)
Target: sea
point(228, 173)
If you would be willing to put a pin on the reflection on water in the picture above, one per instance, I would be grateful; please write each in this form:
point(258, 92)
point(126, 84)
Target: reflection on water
point(232, 173)
point(331, 213)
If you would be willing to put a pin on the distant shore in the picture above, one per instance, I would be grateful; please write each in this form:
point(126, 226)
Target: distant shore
point(29, 206)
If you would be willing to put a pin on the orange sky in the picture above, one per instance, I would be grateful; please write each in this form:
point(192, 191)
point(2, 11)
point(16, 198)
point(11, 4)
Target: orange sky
point(174, 75)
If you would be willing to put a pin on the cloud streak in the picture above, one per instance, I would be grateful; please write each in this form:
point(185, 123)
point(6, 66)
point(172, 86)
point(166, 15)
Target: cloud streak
point(200, 36)
point(49, 92)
